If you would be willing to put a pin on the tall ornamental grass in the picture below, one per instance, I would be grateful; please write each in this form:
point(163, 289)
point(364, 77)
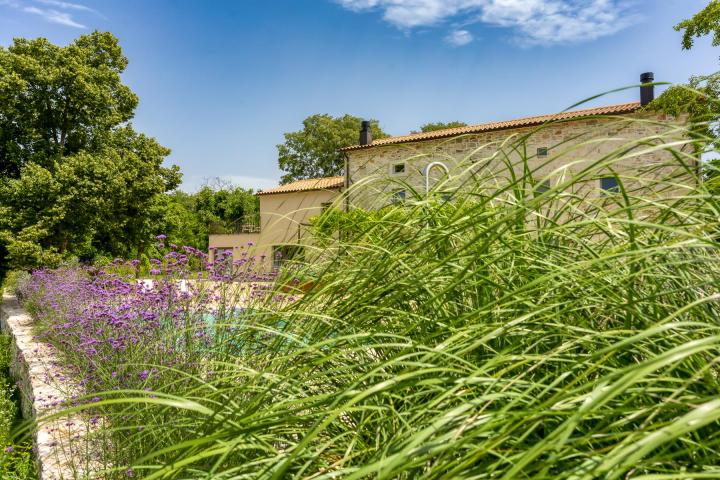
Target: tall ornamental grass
point(490, 329)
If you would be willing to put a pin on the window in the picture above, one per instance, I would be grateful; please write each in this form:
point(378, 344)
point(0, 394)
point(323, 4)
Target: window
point(397, 169)
point(609, 185)
point(542, 187)
point(398, 196)
point(542, 152)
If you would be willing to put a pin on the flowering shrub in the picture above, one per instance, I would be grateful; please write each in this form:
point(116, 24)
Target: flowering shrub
point(117, 329)
point(502, 335)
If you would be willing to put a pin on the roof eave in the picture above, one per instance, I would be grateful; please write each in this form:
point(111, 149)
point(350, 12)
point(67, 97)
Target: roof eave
point(301, 190)
point(455, 133)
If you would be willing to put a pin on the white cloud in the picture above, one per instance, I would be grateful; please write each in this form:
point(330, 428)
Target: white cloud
point(66, 5)
point(57, 11)
point(459, 38)
point(54, 16)
point(532, 21)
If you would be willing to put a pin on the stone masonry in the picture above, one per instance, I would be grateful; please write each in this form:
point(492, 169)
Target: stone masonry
point(62, 448)
point(572, 147)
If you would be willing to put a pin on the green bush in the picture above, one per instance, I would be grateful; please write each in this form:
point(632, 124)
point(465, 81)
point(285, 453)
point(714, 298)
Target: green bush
point(16, 459)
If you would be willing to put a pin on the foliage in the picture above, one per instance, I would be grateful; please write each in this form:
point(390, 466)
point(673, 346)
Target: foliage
point(16, 460)
point(313, 151)
point(705, 22)
point(55, 101)
point(433, 126)
point(700, 101)
point(77, 180)
point(497, 335)
point(221, 208)
point(226, 208)
point(118, 333)
point(332, 220)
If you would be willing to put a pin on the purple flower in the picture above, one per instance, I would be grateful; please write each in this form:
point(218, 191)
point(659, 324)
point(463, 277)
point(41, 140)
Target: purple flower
point(9, 449)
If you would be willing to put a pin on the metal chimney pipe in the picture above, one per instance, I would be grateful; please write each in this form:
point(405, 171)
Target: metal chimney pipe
point(365, 133)
point(647, 90)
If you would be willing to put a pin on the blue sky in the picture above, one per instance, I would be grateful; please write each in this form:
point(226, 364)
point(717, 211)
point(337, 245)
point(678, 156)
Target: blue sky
point(219, 82)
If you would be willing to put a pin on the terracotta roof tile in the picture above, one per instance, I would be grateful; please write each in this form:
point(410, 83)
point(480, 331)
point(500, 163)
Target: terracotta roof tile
point(327, 183)
point(488, 127)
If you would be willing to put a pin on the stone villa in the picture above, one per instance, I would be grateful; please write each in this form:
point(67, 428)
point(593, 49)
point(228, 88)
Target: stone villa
point(394, 167)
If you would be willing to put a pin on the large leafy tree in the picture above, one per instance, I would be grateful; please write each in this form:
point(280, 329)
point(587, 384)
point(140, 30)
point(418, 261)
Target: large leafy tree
point(217, 207)
point(705, 22)
point(700, 98)
point(75, 177)
point(313, 151)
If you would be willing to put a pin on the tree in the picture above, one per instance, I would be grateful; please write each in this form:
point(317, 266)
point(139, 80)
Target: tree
point(700, 98)
point(217, 207)
point(699, 101)
point(703, 23)
point(225, 208)
point(75, 178)
point(431, 127)
point(56, 101)
point(313, 151)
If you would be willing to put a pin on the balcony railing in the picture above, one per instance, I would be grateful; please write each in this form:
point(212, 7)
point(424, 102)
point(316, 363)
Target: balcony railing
point(247, 224)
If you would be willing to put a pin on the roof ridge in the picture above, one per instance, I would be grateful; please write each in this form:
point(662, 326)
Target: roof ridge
point(619, 108)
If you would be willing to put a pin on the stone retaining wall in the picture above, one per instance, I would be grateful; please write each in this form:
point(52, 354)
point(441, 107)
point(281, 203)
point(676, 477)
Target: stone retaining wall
point(61, 448)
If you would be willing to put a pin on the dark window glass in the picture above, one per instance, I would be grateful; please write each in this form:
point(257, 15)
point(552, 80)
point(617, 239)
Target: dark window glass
point(542, 152)
point(609, 185)
point(542, 187)
point(399, 196)
point(399, 168)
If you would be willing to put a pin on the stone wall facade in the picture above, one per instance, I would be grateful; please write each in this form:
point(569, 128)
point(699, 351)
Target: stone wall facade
point(546, 155)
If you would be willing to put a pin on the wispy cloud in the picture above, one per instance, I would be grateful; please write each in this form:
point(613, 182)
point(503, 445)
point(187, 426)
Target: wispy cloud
point(459, 38)
point(54, 11)
point(54, 16)
point(66, 5)
point(544, 22)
